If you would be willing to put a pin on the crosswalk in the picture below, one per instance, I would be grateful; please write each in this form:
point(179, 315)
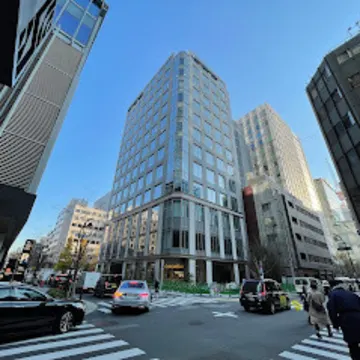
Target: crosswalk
point(85, 342)
point(312, 348)
point(105, 306)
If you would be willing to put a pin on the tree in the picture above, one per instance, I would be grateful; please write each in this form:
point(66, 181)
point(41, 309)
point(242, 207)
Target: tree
point(268, 256)
point(66, 257)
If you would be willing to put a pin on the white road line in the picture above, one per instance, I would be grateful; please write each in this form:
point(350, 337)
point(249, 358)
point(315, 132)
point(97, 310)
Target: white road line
point(326, 345)
point(78, 351)
point(158, 305)
point(105, 311)
point(85, 326)
point(323, 353)
point(330, 339)
point(120, 355)
point(293, 356)
point(106, 304)
point(339, 336)
point(173, 302)
point(37, 347)
point(183, 302)
point(55, 337)
point(160, 301)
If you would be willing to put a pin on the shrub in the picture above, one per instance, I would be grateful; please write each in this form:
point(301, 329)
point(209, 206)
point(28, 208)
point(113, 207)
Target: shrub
point(57, 293)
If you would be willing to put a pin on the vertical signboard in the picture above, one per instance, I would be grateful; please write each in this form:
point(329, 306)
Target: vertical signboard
point(24, 25)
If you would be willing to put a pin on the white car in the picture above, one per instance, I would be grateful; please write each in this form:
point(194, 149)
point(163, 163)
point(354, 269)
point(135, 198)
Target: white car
point(131, 294)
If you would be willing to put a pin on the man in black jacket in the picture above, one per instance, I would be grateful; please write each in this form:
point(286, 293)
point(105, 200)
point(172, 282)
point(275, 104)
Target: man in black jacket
point(344, 312)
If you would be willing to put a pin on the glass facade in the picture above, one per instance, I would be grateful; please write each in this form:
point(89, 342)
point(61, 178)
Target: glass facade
point(178, 156)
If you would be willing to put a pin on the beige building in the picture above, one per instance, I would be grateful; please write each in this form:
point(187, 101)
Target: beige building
point(276, 151)
point(70, 225)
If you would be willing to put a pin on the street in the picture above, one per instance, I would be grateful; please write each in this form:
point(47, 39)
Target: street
point(186, 328)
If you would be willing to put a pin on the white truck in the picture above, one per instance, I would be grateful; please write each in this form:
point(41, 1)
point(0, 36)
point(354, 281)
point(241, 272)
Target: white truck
point(87, 281)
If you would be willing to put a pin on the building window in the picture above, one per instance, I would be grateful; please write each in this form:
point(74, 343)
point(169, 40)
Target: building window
point(234, 204)
point(157, 191)
point(159, 172)
point(151, 161)
point(176, 239)
point(211, 195)
point(223, 200)
point(197, 151)
point(162, 137)
point(138, 201)
point(298, 236)
point(208, 142)
point(348, 120)
point(294, 220)
point(354, 80)
point(149, 177)
point(147, 196)
point(303, 256)
point(336, 95)
point(221, 181)
point(228, 155)
point(200, 241)
point(232, 186)
point(207, 128)
point(197, 169)
point(197, 134)
point(198, 190)
point(343, 56)
point(314, 93)
point(220, 164)
point(196, 120)
point(290, 204)
point(265, 207)
point(210, 176)
point(163, 122)
point(210, 158)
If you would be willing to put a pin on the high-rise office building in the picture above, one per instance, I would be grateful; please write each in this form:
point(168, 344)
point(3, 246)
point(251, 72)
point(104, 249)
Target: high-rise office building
point(334, 92)
point(276, 151)
point(176, 199)
point(32, 112)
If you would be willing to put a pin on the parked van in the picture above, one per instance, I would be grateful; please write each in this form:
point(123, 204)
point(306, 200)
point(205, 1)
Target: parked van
point(88, 280)
point(300, 282)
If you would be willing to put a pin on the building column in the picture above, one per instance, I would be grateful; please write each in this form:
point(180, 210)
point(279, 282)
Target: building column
point(192, 246)
point(192, 270)
point(245, 242)
point(207, 232)
point(158, 245)
point(123, 271)
point(221, 235)
point(232, 234)
point(209, 272)
point(236, 273)
point(158, 270)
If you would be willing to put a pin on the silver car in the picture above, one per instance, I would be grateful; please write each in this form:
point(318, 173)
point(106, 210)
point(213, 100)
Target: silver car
point(133, 294)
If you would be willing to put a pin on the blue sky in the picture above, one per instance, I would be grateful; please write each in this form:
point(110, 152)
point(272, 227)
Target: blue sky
point(265, 51)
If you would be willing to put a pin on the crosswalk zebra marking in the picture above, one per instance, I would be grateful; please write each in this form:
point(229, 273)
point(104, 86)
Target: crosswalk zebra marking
point(61, 343)
point(77, 351)
point(104, 310)
point(106, 304)
point(325, 345)
point(293, 356)
point(56, 337)
point(85, 326)
point(120, 355)
point(335, 341)
point(324, 353)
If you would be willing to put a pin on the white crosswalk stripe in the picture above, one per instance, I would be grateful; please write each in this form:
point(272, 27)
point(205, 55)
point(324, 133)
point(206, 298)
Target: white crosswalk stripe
point(86, 341)
point(327, 348)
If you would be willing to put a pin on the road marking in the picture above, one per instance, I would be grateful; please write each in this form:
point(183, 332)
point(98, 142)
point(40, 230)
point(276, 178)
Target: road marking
point(106, 304)
point(326, 345)
point(55, 337)
point(85, 326)
point(78, 351)
point(24, 349)
point(339, 336)
point(293, 356)
point(225, 314)
point(105, 311)
point(323, 353)
point(330, 339)
point(120, 355)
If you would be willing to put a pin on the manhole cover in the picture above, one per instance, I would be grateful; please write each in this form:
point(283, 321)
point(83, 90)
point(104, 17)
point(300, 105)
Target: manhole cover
point(196, 322)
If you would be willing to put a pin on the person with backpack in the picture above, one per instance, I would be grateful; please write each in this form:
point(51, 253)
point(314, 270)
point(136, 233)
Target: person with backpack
point(344, 312)
point(318, 315)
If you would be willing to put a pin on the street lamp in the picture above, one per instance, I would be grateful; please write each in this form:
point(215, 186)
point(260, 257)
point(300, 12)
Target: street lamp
point(81, 249)
point(343, 246)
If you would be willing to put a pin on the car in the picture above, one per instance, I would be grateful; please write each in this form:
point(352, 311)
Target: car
point(131, 294)
point(25, 310)
point(107, 285)
point(266, 295)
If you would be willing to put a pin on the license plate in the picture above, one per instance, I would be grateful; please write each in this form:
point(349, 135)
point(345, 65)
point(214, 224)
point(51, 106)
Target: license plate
point(131, 295)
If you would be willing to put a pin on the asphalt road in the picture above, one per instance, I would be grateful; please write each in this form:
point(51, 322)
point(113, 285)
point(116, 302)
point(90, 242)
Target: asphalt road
point(185, 328)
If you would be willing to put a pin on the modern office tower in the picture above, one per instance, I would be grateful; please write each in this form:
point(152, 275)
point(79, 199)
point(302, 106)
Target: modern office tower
point(32, 112)
point(286, 227)
point(276, 151)
point(342, 228)
point(176, 198)
point(70, 225)
point(334, 93)
point(103, 203)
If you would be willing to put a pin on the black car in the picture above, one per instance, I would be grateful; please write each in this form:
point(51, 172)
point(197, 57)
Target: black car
point(25, 310)
point(265, 295)
point(107, 285)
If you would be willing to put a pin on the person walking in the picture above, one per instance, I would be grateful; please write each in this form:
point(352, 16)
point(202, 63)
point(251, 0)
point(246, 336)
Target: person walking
point(156, 286)
point(344, 312)
point(317, 312)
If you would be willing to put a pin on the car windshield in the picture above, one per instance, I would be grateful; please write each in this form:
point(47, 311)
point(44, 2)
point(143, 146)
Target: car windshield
point(132, 285)
point(250, 286)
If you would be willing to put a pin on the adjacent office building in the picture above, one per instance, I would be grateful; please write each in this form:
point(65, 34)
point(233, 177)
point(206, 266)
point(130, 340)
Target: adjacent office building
point(70, 226)
point(32, 111)
point(334, 93)
point(282, 223)
point(176, 201)
point(276, 151)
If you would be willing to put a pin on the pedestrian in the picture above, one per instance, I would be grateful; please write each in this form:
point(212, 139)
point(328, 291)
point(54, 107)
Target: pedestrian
point(344, 312)
point(156, 286)
point(318, 315)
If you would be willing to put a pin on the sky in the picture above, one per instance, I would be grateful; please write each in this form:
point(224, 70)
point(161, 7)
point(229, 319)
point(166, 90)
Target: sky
point(265, 51)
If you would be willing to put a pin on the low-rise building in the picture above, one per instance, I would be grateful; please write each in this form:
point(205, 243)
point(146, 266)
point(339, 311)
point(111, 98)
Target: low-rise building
point(280, 220)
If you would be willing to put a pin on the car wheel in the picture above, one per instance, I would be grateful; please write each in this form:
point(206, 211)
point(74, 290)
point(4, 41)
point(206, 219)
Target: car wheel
point(65, 322)
point(147, 309)
point(272, 308)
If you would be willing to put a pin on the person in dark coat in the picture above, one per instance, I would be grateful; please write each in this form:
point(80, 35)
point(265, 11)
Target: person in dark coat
point(344, 311)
